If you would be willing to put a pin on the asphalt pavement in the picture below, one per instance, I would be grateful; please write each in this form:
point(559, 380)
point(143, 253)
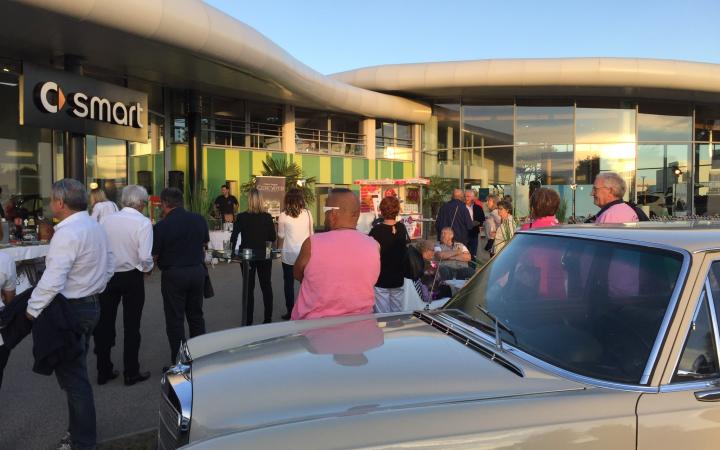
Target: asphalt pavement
point(33, 411)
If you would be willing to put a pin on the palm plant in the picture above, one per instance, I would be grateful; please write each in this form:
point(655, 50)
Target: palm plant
point(292, 173)
point(199, 202)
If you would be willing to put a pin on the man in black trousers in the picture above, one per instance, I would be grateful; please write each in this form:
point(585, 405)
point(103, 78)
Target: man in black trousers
point(179, 242)
point(130, 238)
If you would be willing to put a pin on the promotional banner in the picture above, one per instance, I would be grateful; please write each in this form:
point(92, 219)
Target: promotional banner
point(272, 190)
point(370, 198)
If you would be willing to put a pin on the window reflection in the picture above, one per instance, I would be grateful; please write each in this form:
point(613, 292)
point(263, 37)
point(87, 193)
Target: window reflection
point(544, 124)
point(655, 127)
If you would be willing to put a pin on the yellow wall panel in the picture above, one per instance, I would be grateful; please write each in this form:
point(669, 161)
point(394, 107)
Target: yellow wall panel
point(257, 160)
point(347, 171)
point(232, 165)
point(325, 170)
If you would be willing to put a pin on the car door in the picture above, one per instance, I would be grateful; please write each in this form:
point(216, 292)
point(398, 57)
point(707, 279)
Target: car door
point(685, 412)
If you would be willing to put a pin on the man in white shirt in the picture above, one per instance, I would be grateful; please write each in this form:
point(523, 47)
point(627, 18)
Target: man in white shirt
point(7, 294)
point(78, 266)
point(130, 237)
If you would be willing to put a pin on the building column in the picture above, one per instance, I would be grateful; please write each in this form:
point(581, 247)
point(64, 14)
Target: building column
point(168, 134)
point(288, 129)
point(195, 149)
point(367, 127)
point(417, 150)
point(75, 154)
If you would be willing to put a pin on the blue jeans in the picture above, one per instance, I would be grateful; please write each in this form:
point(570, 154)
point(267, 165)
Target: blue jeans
point(72, 377)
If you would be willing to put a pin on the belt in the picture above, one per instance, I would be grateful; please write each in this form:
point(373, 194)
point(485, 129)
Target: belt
point(86, 299)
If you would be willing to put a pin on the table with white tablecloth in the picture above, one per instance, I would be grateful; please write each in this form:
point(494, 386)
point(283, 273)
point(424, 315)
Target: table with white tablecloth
point(217, 238)
point(29, 263)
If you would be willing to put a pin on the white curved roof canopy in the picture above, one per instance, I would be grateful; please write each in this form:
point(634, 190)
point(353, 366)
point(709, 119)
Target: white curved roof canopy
point(211, 34)
point(572, 76)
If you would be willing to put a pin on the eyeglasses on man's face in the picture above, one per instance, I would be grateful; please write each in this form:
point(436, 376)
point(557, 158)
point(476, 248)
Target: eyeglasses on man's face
point(329, 208)
point(596, 188)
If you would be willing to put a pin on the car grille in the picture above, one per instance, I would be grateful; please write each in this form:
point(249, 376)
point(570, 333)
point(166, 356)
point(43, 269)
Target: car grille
point(175, 408)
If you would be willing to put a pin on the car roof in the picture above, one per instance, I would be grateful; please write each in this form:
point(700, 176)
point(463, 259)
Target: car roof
point(693, 236)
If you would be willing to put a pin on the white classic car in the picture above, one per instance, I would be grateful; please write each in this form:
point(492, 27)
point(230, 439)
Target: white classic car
point(579, 337)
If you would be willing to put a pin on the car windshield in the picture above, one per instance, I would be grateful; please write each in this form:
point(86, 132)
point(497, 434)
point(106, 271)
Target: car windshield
point(591, 307)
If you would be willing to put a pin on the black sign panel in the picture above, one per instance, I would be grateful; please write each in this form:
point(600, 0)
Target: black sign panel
point(64, 101)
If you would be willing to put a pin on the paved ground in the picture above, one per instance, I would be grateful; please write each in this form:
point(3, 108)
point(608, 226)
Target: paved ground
point(32, 407)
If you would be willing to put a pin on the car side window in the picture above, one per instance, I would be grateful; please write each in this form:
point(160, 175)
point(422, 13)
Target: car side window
point(698, 360)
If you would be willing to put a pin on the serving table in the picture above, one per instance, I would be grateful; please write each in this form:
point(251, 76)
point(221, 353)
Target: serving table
point(29, 262)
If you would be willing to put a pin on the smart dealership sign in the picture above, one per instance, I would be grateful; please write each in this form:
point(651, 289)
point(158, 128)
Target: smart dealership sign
point(65, 101)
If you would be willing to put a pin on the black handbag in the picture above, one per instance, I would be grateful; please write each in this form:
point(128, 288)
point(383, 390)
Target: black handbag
point(208, 291)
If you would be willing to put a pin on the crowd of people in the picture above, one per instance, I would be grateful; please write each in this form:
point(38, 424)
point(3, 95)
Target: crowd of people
point(100, 259)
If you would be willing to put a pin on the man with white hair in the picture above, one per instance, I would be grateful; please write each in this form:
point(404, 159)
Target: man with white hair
point(607, 193)
point(130, 237)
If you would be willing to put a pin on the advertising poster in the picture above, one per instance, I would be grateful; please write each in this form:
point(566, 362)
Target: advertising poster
point(369, 198)
point(272, 190)
point(413, 224)
point(412, 200)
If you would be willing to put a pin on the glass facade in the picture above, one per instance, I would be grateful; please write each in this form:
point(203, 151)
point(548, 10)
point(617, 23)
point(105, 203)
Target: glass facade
point(26, 157)
point(668, 153)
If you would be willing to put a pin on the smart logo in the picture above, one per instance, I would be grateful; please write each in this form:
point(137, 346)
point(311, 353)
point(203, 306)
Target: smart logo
point(50, 98)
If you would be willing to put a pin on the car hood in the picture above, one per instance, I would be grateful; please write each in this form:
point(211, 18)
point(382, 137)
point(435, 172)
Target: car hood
point(329, 369)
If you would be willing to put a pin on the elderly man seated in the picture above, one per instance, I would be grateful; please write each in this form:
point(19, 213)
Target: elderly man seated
point(453, 256)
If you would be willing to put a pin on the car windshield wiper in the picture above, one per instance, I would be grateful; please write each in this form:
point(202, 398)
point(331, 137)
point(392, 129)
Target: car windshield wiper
point(498, 325)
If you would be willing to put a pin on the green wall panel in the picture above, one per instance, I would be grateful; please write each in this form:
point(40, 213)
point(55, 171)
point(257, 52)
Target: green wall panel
point(397, 170)
point(215, 170)
point(311, 166)
point(360, 169)
point(385, 169)
point(337, 170)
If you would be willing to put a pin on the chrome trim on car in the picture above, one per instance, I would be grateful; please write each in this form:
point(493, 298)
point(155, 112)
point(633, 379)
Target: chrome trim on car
point(669, 313)
point(509, 348)
point(688, 386)
point(176, 407)
point(183, 355)
point(713, 315)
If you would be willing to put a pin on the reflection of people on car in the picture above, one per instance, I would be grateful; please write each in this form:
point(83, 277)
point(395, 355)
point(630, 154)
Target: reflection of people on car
point(347, 342)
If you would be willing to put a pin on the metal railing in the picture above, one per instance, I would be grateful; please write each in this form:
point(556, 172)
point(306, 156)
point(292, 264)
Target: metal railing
point(309, 140)
point(240, 133)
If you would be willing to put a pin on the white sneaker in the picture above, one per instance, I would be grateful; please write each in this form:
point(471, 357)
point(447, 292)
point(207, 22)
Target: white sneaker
point(65, 443)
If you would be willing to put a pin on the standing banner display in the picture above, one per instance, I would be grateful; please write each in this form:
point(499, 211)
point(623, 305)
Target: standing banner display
point(272, 190)
point(65, 101)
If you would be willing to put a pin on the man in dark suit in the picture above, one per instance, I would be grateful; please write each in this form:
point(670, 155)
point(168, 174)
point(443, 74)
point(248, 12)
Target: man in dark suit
point(455, 215)
point(477, 215)
point(179, 242)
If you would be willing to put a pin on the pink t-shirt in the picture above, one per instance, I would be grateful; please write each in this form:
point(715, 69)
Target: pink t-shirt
point(340, 276)
point(620, 213)
point(542, 222)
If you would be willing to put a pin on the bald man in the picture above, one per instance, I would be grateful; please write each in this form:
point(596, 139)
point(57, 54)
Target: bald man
point(337, 269)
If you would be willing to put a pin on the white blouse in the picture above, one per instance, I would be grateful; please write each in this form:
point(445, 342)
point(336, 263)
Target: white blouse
point(293, 231)
point(101, 209)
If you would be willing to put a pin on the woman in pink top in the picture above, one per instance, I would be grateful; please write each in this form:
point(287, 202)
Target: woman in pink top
point(337, 269)
point(543, 207)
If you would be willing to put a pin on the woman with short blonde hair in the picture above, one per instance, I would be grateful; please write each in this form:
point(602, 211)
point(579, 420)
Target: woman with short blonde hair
point(100, 205)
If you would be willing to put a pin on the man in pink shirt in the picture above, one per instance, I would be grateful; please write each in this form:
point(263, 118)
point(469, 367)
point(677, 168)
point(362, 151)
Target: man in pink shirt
point(607, 193)
point(337, 269)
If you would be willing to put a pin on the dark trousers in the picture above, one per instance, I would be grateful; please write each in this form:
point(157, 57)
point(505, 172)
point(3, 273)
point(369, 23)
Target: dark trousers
point(289, 286)
point(182, 292)
point(264, 273)
point(128, 288)
point(473, 245)
point(72, 377)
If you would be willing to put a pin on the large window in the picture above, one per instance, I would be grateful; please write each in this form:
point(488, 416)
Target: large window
point(146, 164)
point(106, 165)
point(26, 166)
point(393, 140)
point(320, 132)
point(543, 153)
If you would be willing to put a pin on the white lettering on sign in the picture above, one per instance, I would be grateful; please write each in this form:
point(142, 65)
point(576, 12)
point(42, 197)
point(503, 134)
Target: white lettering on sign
point(94, 108)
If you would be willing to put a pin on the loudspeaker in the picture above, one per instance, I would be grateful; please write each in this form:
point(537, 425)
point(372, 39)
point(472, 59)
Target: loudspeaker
point(442, 156)
point(176, 179)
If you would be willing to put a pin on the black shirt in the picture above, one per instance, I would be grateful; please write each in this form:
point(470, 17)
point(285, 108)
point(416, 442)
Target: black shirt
point(179, 239)
point(254, 230)
point(393, 247)
point(226, 205)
